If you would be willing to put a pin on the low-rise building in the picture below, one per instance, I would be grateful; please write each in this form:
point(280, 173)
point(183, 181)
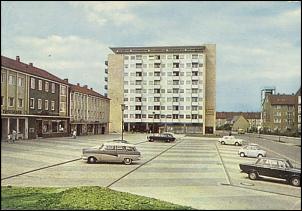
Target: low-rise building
point(89, 111)
point(239, 122)
point(34, 101)
point(254, 118)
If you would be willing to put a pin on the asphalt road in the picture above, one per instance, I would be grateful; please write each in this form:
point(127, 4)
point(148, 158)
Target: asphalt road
point(276, 149)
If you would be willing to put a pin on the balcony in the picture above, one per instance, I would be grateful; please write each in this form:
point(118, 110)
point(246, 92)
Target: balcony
point(106, 63)
point(106, 70)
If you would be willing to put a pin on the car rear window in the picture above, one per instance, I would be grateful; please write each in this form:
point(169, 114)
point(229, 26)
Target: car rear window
point(130, 149)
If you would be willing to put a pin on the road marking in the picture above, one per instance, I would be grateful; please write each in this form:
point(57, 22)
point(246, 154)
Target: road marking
point(224, 168)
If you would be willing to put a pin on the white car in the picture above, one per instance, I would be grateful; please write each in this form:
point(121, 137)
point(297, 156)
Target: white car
point(252, 150)
point(230, 140)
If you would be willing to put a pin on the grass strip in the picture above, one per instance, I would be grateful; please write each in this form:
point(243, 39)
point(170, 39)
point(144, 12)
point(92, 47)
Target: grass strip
point(81, 198)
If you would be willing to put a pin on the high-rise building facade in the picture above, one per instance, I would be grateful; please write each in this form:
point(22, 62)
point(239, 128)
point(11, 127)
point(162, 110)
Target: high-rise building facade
point(172, 87)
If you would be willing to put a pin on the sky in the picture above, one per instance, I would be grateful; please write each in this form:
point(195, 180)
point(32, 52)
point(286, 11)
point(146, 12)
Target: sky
point(258, 44)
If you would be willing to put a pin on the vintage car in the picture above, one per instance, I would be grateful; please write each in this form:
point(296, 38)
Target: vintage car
point(240, 131)
point(273, 167)
point(111, 152)
point(252, 150)
point(167, 137)
point(230, 140)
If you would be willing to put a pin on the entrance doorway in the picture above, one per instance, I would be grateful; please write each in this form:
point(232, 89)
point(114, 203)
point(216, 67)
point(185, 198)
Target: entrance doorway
point(39, 128)
point(79, 130)
point(103, 130)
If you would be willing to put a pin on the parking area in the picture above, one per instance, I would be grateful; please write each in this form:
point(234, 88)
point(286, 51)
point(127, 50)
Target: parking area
point(195, 172)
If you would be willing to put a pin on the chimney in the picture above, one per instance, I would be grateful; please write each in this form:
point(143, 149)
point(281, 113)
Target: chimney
point(66, 79)
point(91, 89)
point(85, 86)
point(30, 64)
point(78, 84)
point(18, 58)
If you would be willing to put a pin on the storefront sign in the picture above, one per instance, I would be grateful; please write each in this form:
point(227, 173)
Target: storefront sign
point(11, 112)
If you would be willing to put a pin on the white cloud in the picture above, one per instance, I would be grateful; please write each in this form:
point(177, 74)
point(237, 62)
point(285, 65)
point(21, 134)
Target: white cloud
point(109, 12)
point(79, 59)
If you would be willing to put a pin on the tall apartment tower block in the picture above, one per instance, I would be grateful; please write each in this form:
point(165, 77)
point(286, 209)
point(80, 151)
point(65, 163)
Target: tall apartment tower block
point(171, 88)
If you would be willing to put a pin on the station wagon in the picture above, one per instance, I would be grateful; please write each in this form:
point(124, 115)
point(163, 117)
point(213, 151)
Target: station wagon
point(111, 152)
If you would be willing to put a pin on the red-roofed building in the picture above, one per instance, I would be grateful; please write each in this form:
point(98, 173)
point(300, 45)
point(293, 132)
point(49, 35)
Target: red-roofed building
point(279, 113)
point(89, 111)
point(34, 102)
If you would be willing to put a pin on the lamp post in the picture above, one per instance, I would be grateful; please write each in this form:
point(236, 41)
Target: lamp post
point(123, 108)
point(153, 123)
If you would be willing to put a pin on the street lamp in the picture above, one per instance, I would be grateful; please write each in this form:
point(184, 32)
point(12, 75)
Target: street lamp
point(153, 123)
point(123, 108)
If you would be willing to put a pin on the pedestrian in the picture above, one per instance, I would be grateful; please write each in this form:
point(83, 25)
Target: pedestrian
point(14, 134)
point(74, 134)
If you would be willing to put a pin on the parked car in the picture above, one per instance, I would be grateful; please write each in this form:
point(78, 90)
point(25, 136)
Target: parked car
point(230, 140)
point(252, 150)
point(167, 137)
point(241, 131)
point(120, 141)
point(273, 167)
point(111, 152)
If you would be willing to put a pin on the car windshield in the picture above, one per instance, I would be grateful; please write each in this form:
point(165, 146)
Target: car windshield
point(289, 164)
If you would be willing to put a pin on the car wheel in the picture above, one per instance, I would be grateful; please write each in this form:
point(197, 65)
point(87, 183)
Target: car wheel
point(91, 160)
point(253, 175)
point(127, 161)
point(236, 144)
point(242, 154)
point(151, 140)
point(295, 181)
point(223, 143)
point(260, 156)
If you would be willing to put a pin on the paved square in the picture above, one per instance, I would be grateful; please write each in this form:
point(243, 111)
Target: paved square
point(195, 172)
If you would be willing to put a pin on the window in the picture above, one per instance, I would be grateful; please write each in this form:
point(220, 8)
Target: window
point(46, 86)
point(11, 101)
point(20, 81)
point(2, 100)
point(32, 83)
point(40, 85)
point(39, 103)
point(52, 105)
point(20, 102)
point(63, 90)
point(46, 105)
point(45, 127)
point(3, 77)
point(53, 88)
point(62, 126)
point(12, 79)
point(32, 103)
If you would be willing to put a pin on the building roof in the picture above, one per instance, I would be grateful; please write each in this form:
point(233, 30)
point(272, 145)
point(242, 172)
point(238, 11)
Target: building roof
point(230, 115)
point(298, 93)
point(84, 89)
point(29, 69)
point(282, 99)
point(158, 49)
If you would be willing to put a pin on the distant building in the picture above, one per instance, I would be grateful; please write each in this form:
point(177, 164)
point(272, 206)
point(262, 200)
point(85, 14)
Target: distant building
point(279, 113)
point(34, 102)
point(89, 111)
point(169, 86)
point(298, 94)
point(253, 118)
point(239, 122)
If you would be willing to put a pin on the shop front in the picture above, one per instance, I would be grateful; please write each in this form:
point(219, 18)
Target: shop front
point(40, 127)
point(12, 122)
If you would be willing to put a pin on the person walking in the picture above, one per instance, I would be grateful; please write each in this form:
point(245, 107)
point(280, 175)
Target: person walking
point(14, 135)
point(74, 134)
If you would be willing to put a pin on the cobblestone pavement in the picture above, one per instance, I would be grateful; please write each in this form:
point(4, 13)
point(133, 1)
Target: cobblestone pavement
point(196, 172)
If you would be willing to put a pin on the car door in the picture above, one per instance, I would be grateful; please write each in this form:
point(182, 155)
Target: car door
point(274, 169)
point(263, 167)
point(109, 153)
point(282, 173)
point(249, 151)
